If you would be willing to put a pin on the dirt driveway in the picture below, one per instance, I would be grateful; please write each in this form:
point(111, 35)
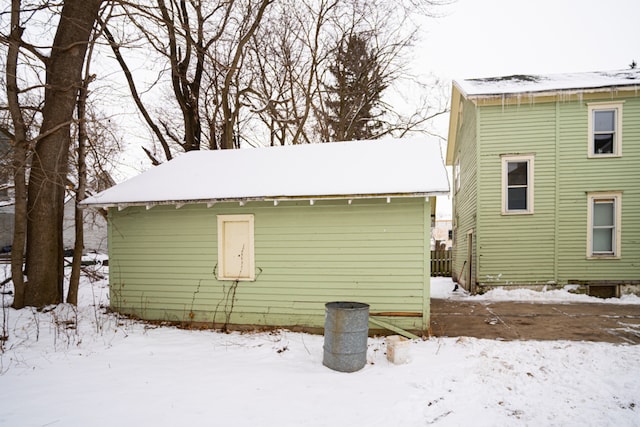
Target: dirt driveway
point(536, 321)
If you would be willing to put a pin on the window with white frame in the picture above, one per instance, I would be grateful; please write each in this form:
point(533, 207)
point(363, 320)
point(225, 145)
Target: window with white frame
point(604, 224)
point(605, 129)
point(517, 184)
point(236, 258)
point(456, 175)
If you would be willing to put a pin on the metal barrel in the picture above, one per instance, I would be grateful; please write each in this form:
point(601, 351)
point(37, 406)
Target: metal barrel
point(346, 328)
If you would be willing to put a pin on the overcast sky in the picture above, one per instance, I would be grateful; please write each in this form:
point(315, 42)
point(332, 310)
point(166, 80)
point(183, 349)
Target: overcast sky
point(485, 38)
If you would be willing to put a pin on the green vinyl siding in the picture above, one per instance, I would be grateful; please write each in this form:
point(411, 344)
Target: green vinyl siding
point(516, 248)
point(465, 199)
point(579, 175)
point(550, 245)
point(163, 262)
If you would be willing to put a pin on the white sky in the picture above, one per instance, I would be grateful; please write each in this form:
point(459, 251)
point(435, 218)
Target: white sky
point(486, 38)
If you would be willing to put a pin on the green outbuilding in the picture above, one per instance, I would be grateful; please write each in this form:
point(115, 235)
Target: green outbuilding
point(265, 237)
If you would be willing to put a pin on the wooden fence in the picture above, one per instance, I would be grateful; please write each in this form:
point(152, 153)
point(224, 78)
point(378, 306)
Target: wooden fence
point(441, 263)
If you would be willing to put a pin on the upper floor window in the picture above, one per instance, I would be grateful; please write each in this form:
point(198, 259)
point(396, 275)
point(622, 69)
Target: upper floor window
point(517, 184)
point(456, 175)
point(603, 218)
point(605, 129)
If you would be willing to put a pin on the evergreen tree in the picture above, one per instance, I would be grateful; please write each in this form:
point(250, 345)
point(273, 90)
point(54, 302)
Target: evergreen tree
point(354, 100)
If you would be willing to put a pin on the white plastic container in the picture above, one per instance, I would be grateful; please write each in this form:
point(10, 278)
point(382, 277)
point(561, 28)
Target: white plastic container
point(397, 349)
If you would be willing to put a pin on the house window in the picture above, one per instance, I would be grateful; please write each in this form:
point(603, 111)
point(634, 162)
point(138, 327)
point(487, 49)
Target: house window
point(605, 130)
point(517, 184)
point(604, 225)
point(236, 258)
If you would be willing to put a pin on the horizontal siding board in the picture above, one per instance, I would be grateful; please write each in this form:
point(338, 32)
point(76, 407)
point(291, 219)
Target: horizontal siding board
point(163, 260)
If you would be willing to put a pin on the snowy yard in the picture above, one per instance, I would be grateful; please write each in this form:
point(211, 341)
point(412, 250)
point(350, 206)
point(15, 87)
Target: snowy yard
point(112, 371)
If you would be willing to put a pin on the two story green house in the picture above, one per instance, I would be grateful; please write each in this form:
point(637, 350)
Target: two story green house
point(546, 188)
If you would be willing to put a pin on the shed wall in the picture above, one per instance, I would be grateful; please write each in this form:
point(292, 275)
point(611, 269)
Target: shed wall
point(163, 262)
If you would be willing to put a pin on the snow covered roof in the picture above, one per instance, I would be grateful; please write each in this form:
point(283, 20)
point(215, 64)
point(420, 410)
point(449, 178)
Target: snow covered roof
point(517, 84)
point(380, 168)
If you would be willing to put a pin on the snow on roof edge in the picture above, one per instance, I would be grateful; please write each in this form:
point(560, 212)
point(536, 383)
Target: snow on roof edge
point(551, 84)
point(347, 170)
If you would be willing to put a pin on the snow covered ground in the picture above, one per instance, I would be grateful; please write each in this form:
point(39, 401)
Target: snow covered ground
point(443, 287)
point(68, 367)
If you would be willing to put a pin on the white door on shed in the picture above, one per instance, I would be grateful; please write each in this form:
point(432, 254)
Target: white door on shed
point(236, 247)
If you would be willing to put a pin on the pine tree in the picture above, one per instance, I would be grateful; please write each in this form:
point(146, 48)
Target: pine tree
point(354, 100)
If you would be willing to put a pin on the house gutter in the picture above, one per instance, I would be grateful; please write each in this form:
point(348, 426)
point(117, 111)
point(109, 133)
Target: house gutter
point(275, 199)
point(551, 93)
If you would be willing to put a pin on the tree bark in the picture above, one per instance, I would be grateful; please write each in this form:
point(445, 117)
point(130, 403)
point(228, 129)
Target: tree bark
point(19, 157)
point(45, 250)
point(74, 279)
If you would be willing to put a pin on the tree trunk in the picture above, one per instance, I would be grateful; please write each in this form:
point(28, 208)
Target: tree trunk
point(45, 263)
point(74, 280)
point(19, 158)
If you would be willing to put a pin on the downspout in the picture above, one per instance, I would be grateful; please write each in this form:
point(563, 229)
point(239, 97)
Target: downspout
point(476, 228)
point(556, 210)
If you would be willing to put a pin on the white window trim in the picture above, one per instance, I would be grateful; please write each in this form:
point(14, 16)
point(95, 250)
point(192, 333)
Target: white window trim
point(617, 196)
point(505, 159)
point(251, 270)
point(617, 143)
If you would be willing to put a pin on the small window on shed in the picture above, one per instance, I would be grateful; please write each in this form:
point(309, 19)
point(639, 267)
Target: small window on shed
point(236, 258)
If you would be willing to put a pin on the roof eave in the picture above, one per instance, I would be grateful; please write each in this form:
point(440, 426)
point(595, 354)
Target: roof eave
point(550, 92)
point(275, 199)
point(456, 95)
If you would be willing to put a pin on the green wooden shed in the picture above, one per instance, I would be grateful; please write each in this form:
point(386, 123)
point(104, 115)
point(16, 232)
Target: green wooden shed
point(265, 237)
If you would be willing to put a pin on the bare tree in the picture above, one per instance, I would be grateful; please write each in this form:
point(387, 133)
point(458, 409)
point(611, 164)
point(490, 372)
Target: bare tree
point(41, 203)
point(295, 53)
point(288, 61)
point(203, 46)
point(252, 70)
point(81, 169)
point(20, 151)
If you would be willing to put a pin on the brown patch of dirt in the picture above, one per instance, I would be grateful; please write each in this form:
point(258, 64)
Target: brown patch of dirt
point(536, 321)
